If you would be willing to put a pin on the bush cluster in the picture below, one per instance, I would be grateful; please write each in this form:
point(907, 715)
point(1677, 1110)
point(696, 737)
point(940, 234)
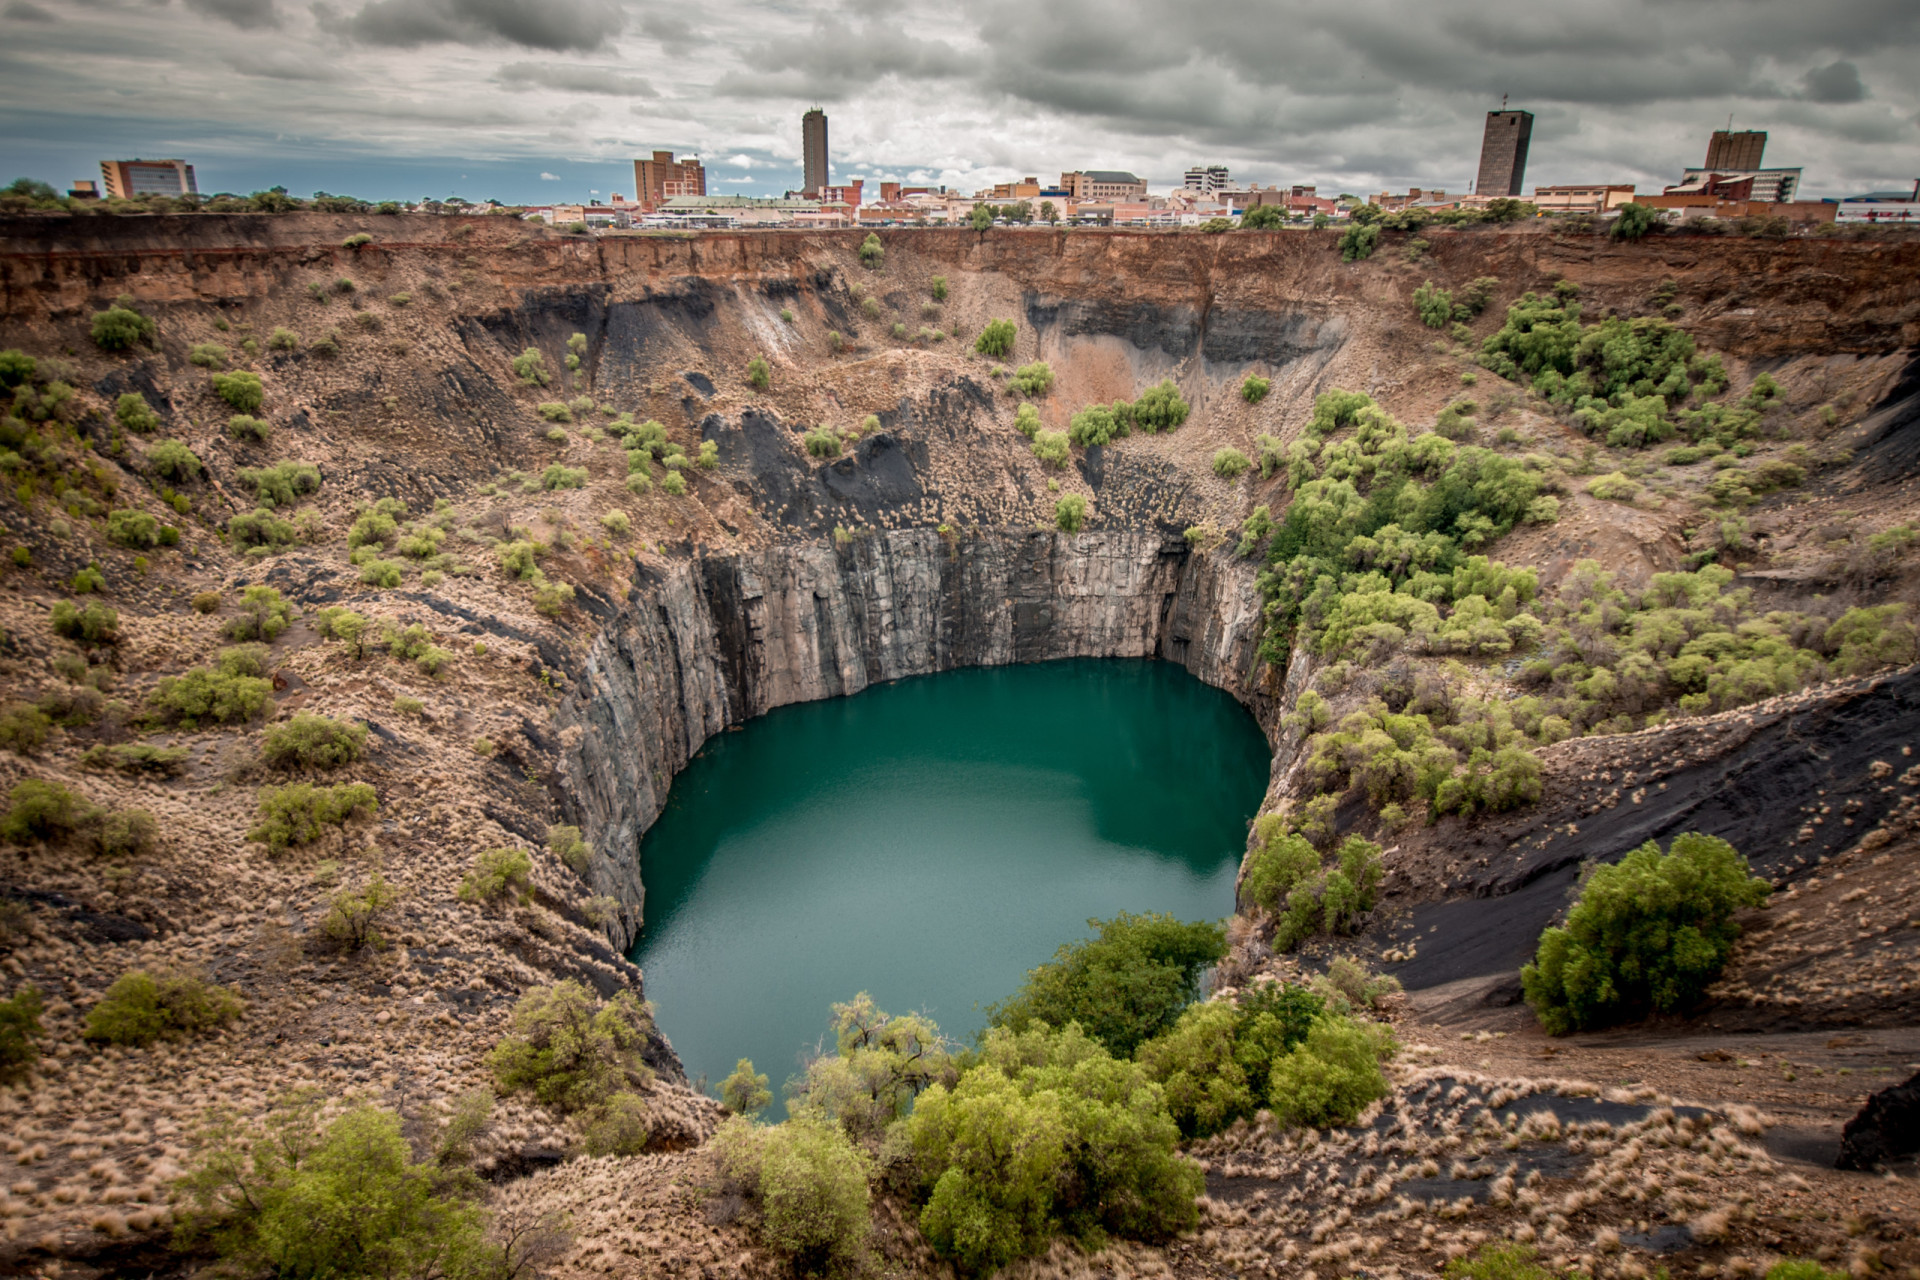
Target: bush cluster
point(120, 327)
point(232, 691)
point(1285, 877)
point(352, 922)
point(300, 812)
point(312, 741)
point(809, 1183)
point(498, 874)
point(143, 1006)
point(996, 339)
point(572, 1052)
point(1649, 933)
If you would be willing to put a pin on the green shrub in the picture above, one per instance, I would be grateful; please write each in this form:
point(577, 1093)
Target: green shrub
point(337, 622)
point(175, 461)
point(1051, 448)
point(129, 528)
point(1331, 1076)
point(675, 484)
point(283, 483)
point(620, 1126)
point(94, 624)
point(134, 414)
point(571, 1052)
point(1357, 243)
point(758, 375)
point(556, 411)
point(565, 844)
point(312, 741)
point(1631, 223)
point(1026, 420)
point(1097, 425)
point(88, 580)
point(283, 339)
point(240, 389)
point(120, 327)
point(617, 523)
point(1123, 986)
point(1285, 878)
point(996, 339)
point(40, 810)
point(23, 728)
point(136, 757)
point(263, 615)
point(810, 1185)
point(415, 644)
point(143, 1006)
point(19, 1032)
point(1034, 379)
point(17, 368)
point(939, 289)
point(557, 476)
point(352, 922)
point(261, 528)
point(823, 443)
point(1254, 388)
point(1649, 933)
point(385, 574)
point(208, 355)
point(521, 558)
point(531, 368)
point(1214, 1065)
point(290, 1198)
point(883, 1062)
point(1047, 1133)
point(872, 253)
point(126, 833)
point(1434, 305)
point(1070, 513)
point(498, 874)
point(1230, 464)
point(300, 812)
point(744, 1092)
point(1159, 408)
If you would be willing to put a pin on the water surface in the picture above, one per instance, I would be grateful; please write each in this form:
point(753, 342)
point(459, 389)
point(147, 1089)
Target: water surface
point(929, 841)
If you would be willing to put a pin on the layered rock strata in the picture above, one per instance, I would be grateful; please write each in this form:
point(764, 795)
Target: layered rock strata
point(718, 640)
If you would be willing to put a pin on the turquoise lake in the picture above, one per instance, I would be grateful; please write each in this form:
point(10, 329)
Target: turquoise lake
point(929, 841)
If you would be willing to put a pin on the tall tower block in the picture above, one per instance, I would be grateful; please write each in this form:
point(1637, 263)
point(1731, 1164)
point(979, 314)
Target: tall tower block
point(813, 147)
point(1503, 153)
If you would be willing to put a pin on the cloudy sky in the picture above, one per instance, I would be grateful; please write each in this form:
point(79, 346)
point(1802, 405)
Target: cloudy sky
point(541, 100)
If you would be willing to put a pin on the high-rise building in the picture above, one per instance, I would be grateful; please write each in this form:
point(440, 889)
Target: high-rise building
point(1503, 153)
point(1736, 152)
point(813, 149)
point(658, 180)
point(1207, 180)
point(129, 178)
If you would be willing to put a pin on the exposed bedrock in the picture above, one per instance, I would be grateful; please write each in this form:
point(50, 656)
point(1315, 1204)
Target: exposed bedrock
point(721, 639)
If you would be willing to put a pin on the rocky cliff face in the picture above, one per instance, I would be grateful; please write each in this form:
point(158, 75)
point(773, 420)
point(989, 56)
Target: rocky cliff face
point(721, 639)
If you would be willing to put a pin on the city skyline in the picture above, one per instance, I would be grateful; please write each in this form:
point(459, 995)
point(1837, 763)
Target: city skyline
point(530, 103)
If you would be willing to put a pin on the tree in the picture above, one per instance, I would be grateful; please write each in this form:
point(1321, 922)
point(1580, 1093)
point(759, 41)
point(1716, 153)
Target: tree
point(758, 376)
point(981, 218)
point(1634, 221)
point(1357, 242)
point(1070, 513)
point(571, 1052)
point(1263, 217)
point(1123, 986)
point(1434, 305)
point(811, 1185)
point(241, 389)
point(1049, 214)
point(883, 1062)
point(745, 1092)
point(346, 1203)
point(872, 252)
point(1650, 932)
point(1508, 209)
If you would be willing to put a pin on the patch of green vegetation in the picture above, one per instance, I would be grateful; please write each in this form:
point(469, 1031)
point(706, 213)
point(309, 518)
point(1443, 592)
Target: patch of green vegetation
point(1649, 933)
point(1285, 878)
point(282, 484)
point(996, 339)
point(1034, 379)
point(1254, 388)
point(809, 1184)
point(310, 741)
point(1070, 513)
point(147, 1005)
point(221, 694)
point(498, 874)
point(300, 812)
point(570, 1051)
point(20, 1033)
point(241, 390)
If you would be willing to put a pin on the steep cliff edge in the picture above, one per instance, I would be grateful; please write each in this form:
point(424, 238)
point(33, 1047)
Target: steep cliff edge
point(717, 640)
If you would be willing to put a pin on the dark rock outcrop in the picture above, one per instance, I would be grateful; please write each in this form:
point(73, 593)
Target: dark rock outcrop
point(1887, 1128)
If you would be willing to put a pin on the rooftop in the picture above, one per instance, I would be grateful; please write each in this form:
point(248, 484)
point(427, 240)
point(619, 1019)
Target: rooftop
point(691, 203)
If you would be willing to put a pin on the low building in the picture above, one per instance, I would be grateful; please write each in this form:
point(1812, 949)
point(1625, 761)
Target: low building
point(1880, 206)
point(1587, 197)
point(1773, 186)
point(1690, 205)
point(129, 178)
point(1103, 185)
point(83, 189)
point(735, 211)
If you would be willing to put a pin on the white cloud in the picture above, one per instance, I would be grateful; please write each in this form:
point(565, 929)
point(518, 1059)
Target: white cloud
point(549, 177)
point(741, 162)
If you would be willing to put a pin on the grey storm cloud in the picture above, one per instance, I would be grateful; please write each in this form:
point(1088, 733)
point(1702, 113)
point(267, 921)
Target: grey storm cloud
point(23, 11)
point(573, 78)
point(558, 25)
point(1835, 82)
point(838, 58)
point(248, 15)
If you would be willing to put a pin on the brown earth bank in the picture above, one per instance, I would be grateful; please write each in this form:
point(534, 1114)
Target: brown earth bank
point(929, 543)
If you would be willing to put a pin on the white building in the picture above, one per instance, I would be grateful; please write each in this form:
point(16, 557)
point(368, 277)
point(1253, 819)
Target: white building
point(1207, 180)
point(1775, 186)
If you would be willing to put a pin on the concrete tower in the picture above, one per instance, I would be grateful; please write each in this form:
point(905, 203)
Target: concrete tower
point(1503, 153)
point(1736, 152)
point(813, 147)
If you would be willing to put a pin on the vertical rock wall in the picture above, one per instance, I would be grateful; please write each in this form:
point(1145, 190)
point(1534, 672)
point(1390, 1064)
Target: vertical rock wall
point(719, 640)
